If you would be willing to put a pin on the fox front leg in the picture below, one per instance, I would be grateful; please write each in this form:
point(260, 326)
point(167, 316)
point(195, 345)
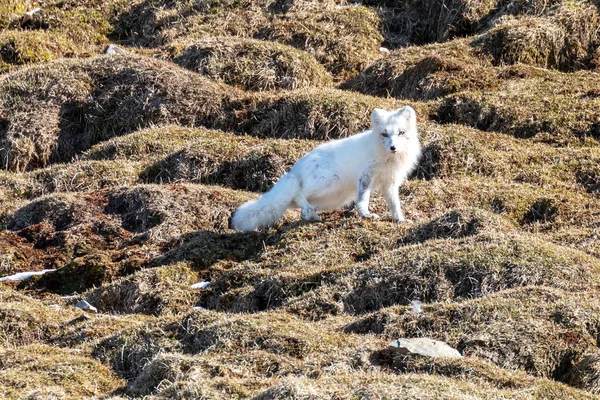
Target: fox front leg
point(393, 202)
point(365, 182)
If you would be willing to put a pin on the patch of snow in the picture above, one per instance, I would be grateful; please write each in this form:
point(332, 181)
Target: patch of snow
point(24, 275)
point(200, 285)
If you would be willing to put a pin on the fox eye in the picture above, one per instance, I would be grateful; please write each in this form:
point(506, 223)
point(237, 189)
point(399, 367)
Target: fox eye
point(384, 134)
point(400, 133)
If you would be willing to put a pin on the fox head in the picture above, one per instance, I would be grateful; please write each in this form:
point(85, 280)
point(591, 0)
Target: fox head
point(395, 129)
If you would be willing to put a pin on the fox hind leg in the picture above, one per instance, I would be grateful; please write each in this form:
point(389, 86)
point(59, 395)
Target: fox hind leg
point(309, 213)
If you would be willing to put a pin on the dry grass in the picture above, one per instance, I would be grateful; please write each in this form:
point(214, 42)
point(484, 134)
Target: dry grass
point(85, 101)
point(153, 291)
point(40, 371)
point(317, 114)
point(497, 330)
point(250, 64)
point(565, 40)
point(524, 109)
point(29, 47)
point(343, 39)
point(426, 72)
point(237, 162)
point(107, 162)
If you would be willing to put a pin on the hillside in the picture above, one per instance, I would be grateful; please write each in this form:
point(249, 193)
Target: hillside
point(120, 172)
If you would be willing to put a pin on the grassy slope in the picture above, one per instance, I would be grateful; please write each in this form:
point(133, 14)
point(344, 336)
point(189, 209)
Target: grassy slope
point(122, 171)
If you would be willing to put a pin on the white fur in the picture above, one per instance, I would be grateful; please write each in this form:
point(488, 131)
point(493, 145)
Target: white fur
point(339, 172)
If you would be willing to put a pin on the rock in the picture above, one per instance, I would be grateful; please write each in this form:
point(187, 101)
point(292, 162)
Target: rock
point(425, 347)
point(200, 285)
point(28, 16)
point(416, 306)
point(84, 305)
point(114, 49)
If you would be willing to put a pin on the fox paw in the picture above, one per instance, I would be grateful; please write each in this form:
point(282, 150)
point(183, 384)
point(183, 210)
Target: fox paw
point(311, 216)
point(371, 216)
point(402, 220)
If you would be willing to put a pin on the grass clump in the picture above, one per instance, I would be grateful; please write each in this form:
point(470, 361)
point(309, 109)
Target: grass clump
point(84, 101)
point(317, 114)
point(41, 370)
point(153, 291)
point(214, 157)
point(250, 64)
point(165, 212)
point(426, 72)
point(84, 176)
point(565, 40)
point(26, 320)
point(521, 109)
point(409, 386)
point(145, 144)
point(507, 329)
point(343, 39)
point(29, 47)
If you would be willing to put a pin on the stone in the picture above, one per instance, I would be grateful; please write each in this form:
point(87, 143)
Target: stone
point(424, 347)
point(84, 305)
point(114, 49)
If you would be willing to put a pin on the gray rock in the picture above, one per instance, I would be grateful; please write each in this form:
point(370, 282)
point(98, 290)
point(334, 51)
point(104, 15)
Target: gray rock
point(425, 347)
point(114, 49)
point(84, 305)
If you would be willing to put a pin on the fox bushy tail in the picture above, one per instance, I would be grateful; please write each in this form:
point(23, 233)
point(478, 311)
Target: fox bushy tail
point(269, 208)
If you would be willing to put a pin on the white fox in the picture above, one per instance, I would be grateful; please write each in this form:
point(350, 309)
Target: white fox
point(343, 171)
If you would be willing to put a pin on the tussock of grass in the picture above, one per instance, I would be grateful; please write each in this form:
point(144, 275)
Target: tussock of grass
point(522, 108)
point(145, 144)
point(26, 320)
point(129, 351)
point(213, 157)
point(85, 101)
point(84, 176)
point(46, 372)
point(459, 255)
point(506, 329)
point(165, 212)
point(426, 72)
point(565, 41)
point(154, 291)
point(343, 39)
point(311, 114)
point(250, 64)
point(409, 386)
point(29, 47)
point(454, 150)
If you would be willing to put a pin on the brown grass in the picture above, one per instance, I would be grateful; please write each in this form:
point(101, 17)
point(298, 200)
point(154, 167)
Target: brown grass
point(520, 108)
point(250, 64)
point(106, 172)
point(343, 39)
point(41, 371)
point(84, 101)
point(320, 114)
point(426, 72)
point(565, 40)
point(498, 332)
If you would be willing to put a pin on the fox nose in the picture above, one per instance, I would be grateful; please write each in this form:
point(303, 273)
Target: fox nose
point(393, 148)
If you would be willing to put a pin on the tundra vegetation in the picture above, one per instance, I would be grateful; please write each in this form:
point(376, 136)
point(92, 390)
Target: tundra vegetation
point(121, 172)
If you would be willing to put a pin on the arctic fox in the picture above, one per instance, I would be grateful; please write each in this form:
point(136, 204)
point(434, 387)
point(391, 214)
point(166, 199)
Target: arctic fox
point(343, 171)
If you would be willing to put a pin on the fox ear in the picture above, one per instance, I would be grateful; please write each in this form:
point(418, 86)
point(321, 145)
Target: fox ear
point(378, 117)
point(408, 112)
